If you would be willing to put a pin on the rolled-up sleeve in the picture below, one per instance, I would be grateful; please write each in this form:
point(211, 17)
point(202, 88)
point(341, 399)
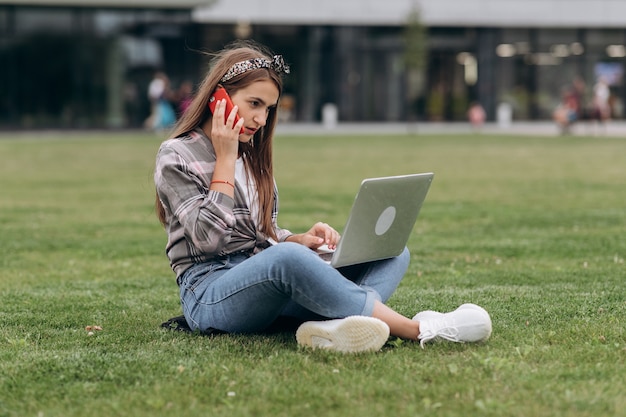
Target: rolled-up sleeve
point(206, 217)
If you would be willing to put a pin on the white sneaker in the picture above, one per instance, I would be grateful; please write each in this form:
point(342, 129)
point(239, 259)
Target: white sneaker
point(468, 323)
point(433, 315)
point(349, 335)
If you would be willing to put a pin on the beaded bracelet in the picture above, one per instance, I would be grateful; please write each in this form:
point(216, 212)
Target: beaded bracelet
point(222, 182)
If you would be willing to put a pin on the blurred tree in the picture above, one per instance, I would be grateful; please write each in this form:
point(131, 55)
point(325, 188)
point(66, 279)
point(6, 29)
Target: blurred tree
point(416, 60)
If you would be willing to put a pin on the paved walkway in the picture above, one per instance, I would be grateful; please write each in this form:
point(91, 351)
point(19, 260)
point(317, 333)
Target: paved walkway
point(612, 129)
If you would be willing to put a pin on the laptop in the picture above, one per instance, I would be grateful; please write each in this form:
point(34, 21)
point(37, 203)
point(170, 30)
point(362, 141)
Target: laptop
point(381, 219)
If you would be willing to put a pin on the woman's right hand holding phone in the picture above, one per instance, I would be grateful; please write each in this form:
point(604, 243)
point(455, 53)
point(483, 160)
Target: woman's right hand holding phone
point(225, 139)
point(224, 132)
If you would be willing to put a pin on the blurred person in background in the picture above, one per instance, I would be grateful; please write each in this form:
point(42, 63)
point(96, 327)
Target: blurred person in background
point(237, 271)
point(571, 108)
point(162, 113)
point(476, 116)
point(184, 95)
point(578, 91)
point(566, 113)
point(601, 106)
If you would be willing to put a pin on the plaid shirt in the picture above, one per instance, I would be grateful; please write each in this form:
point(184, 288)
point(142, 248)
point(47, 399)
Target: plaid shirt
point(202, 224)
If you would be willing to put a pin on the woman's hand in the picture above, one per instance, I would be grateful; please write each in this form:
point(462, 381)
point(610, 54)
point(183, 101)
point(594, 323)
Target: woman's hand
point(318, 235)
point(225, 139)
point(224, 132)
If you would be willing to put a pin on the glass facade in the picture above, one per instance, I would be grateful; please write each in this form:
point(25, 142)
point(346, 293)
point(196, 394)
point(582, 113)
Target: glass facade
point(538, 66)
point(89, 68)
point(79, 67)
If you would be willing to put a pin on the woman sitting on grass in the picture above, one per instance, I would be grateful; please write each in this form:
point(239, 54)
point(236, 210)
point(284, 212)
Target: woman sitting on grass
point(237, 271)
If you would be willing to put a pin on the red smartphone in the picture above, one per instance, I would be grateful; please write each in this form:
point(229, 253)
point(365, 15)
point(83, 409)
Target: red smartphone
point(220, 93)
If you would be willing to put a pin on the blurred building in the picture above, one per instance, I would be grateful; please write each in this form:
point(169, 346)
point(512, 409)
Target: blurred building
point(87, 63)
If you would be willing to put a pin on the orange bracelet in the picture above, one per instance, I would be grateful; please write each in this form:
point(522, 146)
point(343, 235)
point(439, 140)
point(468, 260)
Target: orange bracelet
point(222, 182)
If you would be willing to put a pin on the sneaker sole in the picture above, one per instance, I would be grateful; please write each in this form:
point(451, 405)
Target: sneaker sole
point(350, 335)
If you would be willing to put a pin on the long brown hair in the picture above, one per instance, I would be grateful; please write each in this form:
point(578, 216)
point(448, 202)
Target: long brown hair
point(258, 152)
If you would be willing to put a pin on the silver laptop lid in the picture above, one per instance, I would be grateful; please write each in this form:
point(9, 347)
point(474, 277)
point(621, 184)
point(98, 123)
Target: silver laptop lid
point(382, 218)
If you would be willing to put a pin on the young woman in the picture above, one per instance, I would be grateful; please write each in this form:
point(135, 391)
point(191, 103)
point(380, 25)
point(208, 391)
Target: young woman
point(239, 272)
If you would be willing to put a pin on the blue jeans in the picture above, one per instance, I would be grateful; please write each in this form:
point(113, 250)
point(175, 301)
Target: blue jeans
point(243, 294)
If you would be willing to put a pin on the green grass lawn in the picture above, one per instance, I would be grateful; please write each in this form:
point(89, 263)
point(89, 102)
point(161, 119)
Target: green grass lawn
point(531, 228)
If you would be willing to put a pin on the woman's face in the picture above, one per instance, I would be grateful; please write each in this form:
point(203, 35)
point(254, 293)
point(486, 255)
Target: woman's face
point(255, 102)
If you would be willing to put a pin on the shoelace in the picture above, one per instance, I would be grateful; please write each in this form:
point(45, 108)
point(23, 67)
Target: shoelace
point(444, 331)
